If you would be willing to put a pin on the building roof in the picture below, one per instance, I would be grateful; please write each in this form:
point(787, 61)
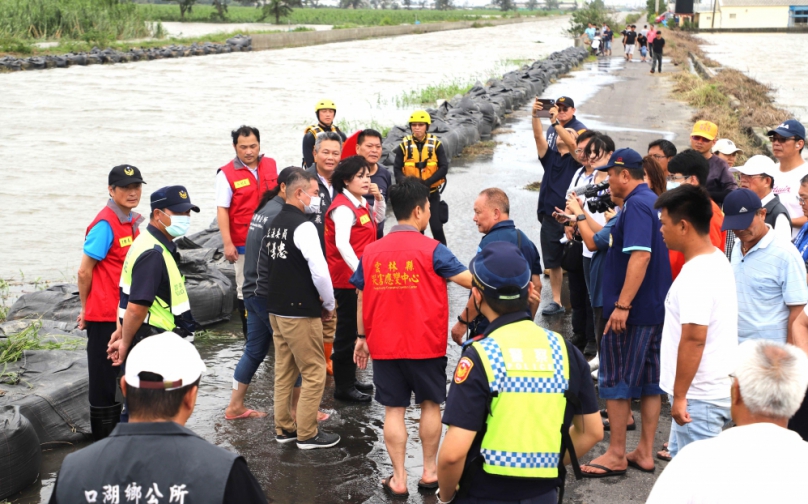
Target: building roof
point(758, 3)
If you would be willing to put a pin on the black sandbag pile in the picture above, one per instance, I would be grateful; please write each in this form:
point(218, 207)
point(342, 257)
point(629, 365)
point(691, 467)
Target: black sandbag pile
point(20, 454)
point(106, 56)
point(465, 120)
point(212, 294)
point(60, 303)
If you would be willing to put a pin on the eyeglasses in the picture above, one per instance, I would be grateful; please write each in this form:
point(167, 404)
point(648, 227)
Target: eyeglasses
point(801, 200)
point(781, 140)
point(659, 157)
point(674, 178)
point(699, 139)
point(578, 151)
point(562, 108)
point(745, 176)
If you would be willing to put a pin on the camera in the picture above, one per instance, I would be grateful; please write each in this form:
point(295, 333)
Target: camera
point(601, 203)
point(592, 191)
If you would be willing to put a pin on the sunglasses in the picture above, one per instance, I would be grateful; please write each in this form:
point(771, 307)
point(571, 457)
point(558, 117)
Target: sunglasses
point(699, 139)
point(781, 140)
point(562, 108)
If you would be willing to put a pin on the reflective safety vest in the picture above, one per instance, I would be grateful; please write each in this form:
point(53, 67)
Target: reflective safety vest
point(421, 163)
point(528, 373)
point(161, 313)
point(316, 129)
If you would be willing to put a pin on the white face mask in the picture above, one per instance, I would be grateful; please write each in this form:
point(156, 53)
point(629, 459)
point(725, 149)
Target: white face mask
point(672, 185)
point(313, 207)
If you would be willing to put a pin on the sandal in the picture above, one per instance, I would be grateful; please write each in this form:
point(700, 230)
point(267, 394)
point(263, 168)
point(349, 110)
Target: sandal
point(387, 488)
point(629, 427)
point(664, 455)
point(608, 474)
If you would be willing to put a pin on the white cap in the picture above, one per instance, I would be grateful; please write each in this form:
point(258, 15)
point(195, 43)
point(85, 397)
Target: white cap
point(726, 146)
point(167, 355)
point(756, 165)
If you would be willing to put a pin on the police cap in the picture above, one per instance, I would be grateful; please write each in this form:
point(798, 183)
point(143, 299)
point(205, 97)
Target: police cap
point(500, 271)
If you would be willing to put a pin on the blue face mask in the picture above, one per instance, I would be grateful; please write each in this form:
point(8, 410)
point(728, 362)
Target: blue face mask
point(179, 225)
point(673, 185)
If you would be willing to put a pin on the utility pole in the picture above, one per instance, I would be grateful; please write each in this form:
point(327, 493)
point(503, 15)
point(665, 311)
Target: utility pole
point(712, 25)
point(656, 9)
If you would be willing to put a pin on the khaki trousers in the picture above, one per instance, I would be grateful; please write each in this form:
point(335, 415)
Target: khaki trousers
point(298, 350)
point(329, 330)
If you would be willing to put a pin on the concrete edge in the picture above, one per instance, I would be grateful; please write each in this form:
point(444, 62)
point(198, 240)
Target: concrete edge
point(792, 29)
point(703, 70)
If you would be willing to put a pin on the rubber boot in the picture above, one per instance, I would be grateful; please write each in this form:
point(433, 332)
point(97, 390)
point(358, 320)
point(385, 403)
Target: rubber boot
point(242, 311)
point(329, 365)
point(104, 419)
point(344, 380)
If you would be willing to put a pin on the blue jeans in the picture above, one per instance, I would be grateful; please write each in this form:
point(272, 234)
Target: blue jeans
point(707, 421)
point(259, 338)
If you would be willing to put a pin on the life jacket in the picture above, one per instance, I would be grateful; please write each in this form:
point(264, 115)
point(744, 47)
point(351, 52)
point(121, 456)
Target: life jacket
point(528, 374)
point(316, 129)
point(421, 163)
point(405, 305)
point(247, 194)
point(104, 296)
point(161, 313)
point(363, 233)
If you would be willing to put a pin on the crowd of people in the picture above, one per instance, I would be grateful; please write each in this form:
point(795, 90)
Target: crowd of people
point(648, 42)
point(685, 282)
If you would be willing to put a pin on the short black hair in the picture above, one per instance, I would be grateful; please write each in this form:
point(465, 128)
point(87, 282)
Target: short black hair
point(690, 163)
point(507, 306)
point(245, 131)
point(346, 170)
point(666, 146)
point(586, 135)
point(367, 133)
point(688, 202)
point(274, 192)
point(408, 194)
point(155, 404)
point(599, 144)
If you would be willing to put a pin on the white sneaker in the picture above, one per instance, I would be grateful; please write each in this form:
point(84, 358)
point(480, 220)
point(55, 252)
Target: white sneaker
point(594, 363)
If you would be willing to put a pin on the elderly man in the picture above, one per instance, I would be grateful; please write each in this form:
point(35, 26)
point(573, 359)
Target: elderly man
point(719, 180)
point(769, 272)
point(768, 385)
point(757, 176)
point(788, 140)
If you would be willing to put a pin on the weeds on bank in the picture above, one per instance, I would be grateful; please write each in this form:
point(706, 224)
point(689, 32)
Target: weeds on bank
point(350, 126)
point(432, 93)
point(483, 148)
point(13, 346)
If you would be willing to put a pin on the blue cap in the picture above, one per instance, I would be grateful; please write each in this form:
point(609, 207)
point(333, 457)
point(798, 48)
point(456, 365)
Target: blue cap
point(624, 158)
point(789, 128)
point(174, 198)
point(501, 271)
point(740, 207)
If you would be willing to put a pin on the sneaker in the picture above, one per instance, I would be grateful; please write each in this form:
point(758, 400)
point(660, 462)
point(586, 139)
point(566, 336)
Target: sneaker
point(286, 436)
point(321, 440)
point(553, 309)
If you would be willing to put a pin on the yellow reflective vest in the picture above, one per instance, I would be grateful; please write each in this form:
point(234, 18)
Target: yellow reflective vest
point(316, 129)
point(421, 163)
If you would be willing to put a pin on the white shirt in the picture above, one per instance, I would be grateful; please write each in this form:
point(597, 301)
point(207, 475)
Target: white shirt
point(224, 193)
point(327, 184)
point(753, 463)
point(703, 294)
point(344, 219)
point(787, 185)
point(581, 178)
point(782, 226)
point(307, 240)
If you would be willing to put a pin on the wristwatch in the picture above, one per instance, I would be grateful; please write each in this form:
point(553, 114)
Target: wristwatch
point(580, 218)
point(464, 322)
point(360, 336)
point(557, 123)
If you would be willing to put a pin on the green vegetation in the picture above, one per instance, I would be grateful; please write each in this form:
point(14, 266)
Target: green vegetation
point(279, 9)
point(12, 347)
point(5, 295)
point(432, 93)
point(632, 18)
point(593, 12)
point(349, 126)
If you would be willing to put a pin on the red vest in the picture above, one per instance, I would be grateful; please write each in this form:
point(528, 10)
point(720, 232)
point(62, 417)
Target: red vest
point(247, 194)
point(405, 305)
point(363, 233)
point(104, 296)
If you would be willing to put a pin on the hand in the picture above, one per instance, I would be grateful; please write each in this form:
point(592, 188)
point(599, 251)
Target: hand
point(117, 352)
point(617, 322)
point(553, 114)
point(327, 315)
point(560, 216)
point(80, 320)
point(361, 353)
point(230, 253)
point(116, 335)
point(536, 107)
point(574, 204)
point(679, 411)
point(568, 232)
point(374, 190)
point(535, 298)
point(459, 331)
point(609, 214)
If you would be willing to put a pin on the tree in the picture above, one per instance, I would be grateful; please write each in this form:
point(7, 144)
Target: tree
point(279, 9)
point(185, 6)
point(407, 4)
point(505, 5)
point(351, 4)
point(443, 5)
point(551, 4)
point(221, 10)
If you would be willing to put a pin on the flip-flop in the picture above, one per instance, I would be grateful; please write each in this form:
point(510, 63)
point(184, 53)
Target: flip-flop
point(608, 474)
point(630, 427)
point(637, 466)
point(423, 485)
point(666, 458)
point(389, 489)
point(326, 416)
point(604, 413)
point(246, 414)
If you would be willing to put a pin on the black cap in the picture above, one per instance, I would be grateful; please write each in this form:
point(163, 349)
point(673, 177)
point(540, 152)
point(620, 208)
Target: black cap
point(174, 198)
point(123, 175)
point(566, 101)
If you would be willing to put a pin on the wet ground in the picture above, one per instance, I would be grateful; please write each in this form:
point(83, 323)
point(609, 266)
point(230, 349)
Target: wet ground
point(608, 93)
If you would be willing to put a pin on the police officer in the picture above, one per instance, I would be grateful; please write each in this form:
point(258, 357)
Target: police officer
point(106, 243)
point(521, 403)
point(421, 155)
point(492, 216)
point(154, 458)
point(152, 289)
point(325, 110)
point(239, 187)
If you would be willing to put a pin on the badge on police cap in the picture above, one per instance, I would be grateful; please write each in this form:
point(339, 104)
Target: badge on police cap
point(463, 370)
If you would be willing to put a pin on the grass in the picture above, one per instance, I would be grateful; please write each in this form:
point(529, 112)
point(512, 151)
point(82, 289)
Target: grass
point(13, 346)
point(350, 126)
point(483, 148)
point(434, 92)
point(534, 186)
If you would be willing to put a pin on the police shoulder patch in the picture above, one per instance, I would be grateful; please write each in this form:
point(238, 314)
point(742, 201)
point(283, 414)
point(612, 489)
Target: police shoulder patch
point(463, 370)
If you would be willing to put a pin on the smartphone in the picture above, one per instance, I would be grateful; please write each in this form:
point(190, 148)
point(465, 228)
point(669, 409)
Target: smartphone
point(546, 105)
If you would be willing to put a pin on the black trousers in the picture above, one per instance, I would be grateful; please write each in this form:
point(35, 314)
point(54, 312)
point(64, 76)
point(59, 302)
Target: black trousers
point(345, 336)
point(103, 375)
point(799, 422)
point(435, 225)
point(582, 319)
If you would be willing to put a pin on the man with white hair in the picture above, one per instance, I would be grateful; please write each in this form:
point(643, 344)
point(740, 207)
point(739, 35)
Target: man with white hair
point(760, 460)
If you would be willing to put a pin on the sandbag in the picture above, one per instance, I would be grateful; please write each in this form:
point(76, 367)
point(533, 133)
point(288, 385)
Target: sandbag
point(47, 328)
point(20, 454)
point(211, 293)
point(59, 302)
point(52, 393)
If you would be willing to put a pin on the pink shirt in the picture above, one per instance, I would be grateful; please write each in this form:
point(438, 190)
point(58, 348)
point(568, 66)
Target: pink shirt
point(651, 35)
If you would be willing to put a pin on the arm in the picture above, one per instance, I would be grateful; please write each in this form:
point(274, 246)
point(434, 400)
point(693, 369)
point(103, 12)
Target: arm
point(564, 135)
point(635, 274)
point(586, 431)
point(361, 352)
point(308, 242)
point(691, 348)
point(799, 332)
point(538, 134)
point(462, 279)
point(224, 196)
point(85, 281)
point(798, 222)
point(398, 164)
point(344, 219)
point(379, 208)
point(535, 301)
point(308, 150)
point(468, 314)
point(793, 313)
point(782, 226)
point(452, 459)
point(443, 166)
point(587, 228)
point(132, 320)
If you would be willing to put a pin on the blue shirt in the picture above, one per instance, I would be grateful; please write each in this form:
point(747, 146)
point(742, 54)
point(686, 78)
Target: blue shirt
point(598, 262)
point(445, 264)
point(590, 32)
point(768, 279)
point(99, 241)
point(558, 173)
point(637, 229)
point(552, 136)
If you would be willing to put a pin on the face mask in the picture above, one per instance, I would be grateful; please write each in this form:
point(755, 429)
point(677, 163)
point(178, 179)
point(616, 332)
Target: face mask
point(313, 207)
point(673, 185)
point(179, 225)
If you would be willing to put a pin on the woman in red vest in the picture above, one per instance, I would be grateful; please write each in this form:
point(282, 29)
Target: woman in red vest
point(350, 225)
point(106, 243)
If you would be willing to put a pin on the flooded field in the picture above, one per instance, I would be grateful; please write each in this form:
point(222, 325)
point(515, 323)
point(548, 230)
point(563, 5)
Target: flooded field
point(63, 130)
point(756, 56)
